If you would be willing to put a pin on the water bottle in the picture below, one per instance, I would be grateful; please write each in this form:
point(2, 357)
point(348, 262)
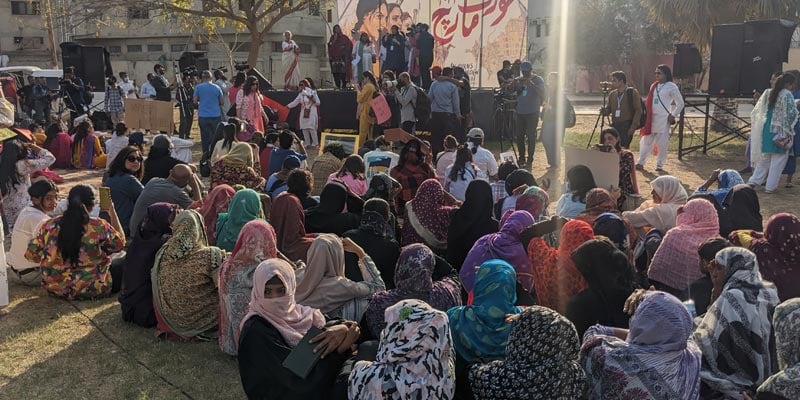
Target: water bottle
point(689, 304)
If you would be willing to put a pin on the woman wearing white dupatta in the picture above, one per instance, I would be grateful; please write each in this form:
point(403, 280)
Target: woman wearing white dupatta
point(290, 57)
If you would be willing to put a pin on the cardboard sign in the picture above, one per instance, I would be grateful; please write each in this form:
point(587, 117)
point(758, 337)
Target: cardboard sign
point(149, 114)
point(381, 108)
point(349, 142)
point(508, 156)
point(399, 135)
point(604, 166)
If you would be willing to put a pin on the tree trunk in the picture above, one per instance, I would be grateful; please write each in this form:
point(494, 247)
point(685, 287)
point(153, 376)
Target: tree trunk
point(51, 37)
point(255, 48)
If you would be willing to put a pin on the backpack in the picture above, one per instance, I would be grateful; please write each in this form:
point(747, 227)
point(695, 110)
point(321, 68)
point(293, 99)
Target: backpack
point(643, 118)
point(422, 107)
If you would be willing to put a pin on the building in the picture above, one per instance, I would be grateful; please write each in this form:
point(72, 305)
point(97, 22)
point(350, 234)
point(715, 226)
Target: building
point(542, 32)
point(137, 39)
point(23, 38)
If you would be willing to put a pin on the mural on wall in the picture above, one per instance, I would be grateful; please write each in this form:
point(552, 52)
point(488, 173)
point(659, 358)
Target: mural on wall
point(473, 34)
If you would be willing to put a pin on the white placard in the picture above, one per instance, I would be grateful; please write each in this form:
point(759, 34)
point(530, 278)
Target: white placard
point(604, 166)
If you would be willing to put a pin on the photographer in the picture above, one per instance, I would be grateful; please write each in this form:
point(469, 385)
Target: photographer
point(388, 87)
point(185, 98)
point(75, 91)
point(625, 108)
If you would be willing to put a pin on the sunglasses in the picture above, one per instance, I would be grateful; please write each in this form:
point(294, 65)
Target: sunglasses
point(134, 159)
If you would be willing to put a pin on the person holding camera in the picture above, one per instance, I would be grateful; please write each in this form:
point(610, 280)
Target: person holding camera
point(624, 107)
point(531, 93)
point(75, 91)
point(664, 103)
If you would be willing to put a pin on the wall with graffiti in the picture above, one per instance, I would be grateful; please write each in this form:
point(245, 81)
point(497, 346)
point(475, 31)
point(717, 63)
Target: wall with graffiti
point(476, 35)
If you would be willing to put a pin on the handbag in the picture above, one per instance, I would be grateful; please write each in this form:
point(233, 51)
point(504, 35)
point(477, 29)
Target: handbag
point(783, 141)
point(306, 113)
point(337, 67)
point(670, 118)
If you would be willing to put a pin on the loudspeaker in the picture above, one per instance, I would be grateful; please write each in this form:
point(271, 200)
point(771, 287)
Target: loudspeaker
point(726, 56)
point(687, 60)
point(92, 63)
point(197, 59)
point(764, 50)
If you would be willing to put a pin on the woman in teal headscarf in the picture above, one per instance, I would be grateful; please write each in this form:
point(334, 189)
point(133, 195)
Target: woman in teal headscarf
point(480, 331)
point(245, 206)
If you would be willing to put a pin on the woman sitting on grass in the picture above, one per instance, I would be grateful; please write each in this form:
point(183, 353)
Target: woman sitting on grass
point(74, 250)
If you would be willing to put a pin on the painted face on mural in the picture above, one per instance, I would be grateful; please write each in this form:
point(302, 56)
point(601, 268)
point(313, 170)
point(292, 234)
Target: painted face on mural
point(395, 17)
point(375, 21)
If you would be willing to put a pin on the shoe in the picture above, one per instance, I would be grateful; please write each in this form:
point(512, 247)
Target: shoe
point(639, 167)
point(659, 169)
point(746, 170)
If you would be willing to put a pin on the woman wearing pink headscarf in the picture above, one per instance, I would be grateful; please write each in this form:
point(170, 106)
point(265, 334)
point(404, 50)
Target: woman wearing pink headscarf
point(255, 244)
point(274, 325)
point(675, 263)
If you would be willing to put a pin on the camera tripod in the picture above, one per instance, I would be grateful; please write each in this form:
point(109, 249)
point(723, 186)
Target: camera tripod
point(505, 122)
point(601, 119)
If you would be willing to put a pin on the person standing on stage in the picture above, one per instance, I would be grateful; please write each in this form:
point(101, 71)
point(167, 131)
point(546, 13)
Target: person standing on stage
point(209, 98)
point(147, 91)
point(531, 93)
point(505, 77)
point(363, 57)
point(308, 100)
point(425, 47)
point(445, 109)
point(664, 103)
point(625, 108)
point(127, 85)
point(114, 106)
point(406, 94)
point(395, 45)
point(291, 59)
point(364, 93)
point(339, 49)
point(161, 84)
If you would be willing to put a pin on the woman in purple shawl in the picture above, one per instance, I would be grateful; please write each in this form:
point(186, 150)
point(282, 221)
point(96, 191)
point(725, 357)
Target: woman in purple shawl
point(413, 278)
point(653, 360)
point(504, 245)
point(136, 296)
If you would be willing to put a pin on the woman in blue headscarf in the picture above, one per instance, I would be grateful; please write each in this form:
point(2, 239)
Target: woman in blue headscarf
point(727, 179)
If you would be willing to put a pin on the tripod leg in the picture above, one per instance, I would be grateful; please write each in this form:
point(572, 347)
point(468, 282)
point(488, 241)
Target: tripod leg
point(597, 122)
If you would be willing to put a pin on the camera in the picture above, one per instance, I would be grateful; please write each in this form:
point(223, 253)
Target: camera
point(221, 69)
point(190, 71)
point(241, 67)
point(605, 87)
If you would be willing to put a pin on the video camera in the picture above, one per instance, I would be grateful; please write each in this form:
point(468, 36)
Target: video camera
point(605, 87)
point(241, 67)
point(190, 71)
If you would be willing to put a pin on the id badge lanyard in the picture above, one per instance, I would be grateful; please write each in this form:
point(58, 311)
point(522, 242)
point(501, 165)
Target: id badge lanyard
point(618, 113)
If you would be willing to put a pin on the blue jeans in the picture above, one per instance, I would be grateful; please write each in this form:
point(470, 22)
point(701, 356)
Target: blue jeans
point(207, 127)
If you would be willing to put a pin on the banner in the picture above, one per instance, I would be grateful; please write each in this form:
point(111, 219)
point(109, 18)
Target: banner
point(473, 34)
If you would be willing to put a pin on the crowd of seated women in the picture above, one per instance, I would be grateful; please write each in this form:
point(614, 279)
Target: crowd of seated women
point(412, 291)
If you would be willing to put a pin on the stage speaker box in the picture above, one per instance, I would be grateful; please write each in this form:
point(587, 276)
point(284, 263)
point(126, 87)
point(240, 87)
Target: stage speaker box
point(197, 59)
point(687, 60)
point(726, 56)
point(92, 63)
point(764, 50)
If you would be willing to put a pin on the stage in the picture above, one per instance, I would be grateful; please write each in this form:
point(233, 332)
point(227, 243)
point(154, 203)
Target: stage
point(338, 109)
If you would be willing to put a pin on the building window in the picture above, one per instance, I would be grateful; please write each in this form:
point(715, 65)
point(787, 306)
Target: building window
point(26, 8)
point(29, 42)
point(134, 48)
point(155, 47)
point(547, 28)
point(201, 46)
point(538, 30)
point(177, 48)
point(115, 49)
point(138, 13)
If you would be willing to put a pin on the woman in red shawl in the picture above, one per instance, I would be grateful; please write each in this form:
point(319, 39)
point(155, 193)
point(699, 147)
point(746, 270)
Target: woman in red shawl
point(555, 276)
point(411, 170)
point(59, 143)
point(777, 251)
point(289, 222)
point(214, 203)
point(339, 49)
point(427, 216)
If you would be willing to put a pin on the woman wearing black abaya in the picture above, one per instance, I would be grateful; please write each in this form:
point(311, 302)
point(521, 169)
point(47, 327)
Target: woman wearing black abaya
point(470, 222)
point(740, 210)
point(136, 296)
point(609, 274)
point(328, 217)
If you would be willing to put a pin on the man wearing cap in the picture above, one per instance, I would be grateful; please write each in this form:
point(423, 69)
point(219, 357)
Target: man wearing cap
point(209, 100)
point(530, 91)
point(481, 157)
point(445, 110)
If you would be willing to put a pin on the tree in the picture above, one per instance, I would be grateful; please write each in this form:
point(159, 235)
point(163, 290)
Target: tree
point(256, 17)
point(694, 19)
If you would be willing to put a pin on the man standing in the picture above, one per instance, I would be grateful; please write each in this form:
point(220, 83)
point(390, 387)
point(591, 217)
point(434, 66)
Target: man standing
point(395, 45)
point(530, 90)
point(625, 108)
point(41, 101)
point(127, 85)
point(115, 107)
point(184, 96)
point(665, 104)
point(407, 97)
point(208, 98)
point(425, 47)
point(464, 97)
point(445, 109)
point(505, 76)
point(147, 91)
point(161, 84)
point(75, 91)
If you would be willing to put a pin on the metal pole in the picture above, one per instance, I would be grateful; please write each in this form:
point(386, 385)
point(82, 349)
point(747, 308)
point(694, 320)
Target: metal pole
point(705, 129)
point(680, 133)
